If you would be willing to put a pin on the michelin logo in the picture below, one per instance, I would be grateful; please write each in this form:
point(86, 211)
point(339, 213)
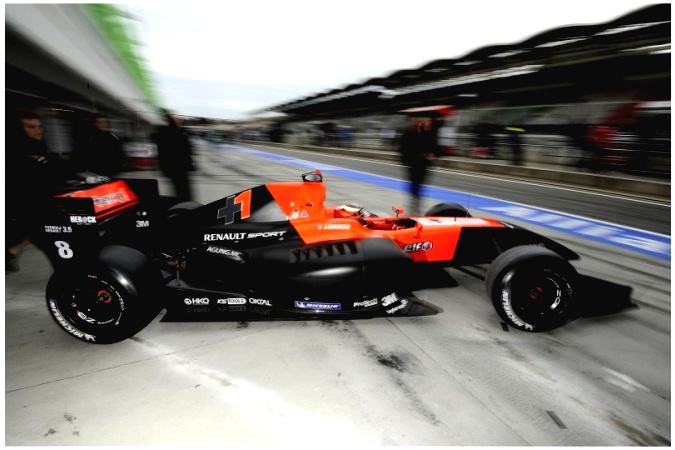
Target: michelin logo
point(322, 306)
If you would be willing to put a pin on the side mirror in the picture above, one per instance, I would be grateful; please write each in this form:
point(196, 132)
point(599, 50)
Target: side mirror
point(313, 176)
point(398, 210)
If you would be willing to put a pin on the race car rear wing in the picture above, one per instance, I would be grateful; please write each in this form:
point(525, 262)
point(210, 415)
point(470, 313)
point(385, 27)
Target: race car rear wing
point(106, 199)
point(82, 221)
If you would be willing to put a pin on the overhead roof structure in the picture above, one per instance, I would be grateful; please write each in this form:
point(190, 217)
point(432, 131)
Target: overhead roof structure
point(76, 54)
point(634, 46)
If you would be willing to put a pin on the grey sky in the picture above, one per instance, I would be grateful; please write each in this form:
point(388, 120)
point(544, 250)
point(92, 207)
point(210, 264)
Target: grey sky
point(226, 58)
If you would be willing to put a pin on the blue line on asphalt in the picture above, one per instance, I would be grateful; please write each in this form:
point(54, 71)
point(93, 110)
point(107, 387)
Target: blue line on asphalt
point(645, 242)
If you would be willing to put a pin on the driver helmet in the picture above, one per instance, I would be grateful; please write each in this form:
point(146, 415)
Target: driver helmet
point(349, 210)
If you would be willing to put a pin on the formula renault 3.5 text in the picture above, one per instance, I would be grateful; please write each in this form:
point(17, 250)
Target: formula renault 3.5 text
point(121, 254)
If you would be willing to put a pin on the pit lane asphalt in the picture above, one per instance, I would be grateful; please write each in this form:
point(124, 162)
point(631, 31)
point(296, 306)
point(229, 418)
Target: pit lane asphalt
point(458, 378)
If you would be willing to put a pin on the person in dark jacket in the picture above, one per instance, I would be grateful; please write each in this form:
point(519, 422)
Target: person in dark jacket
point(418, 146)
point(174, 154)
point(33, 175)
point(102, 152)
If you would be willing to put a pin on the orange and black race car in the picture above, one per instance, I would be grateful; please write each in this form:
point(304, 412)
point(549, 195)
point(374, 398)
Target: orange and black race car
point(121, 255)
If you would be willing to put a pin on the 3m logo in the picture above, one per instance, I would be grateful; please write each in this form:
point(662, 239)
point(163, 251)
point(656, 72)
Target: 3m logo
point(142, 223)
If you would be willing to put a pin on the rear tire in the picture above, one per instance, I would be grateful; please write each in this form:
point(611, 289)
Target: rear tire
point(532, 288)
point(182, 208)
point(108, 300)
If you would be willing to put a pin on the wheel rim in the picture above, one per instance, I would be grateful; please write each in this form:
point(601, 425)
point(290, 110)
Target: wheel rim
point(539, 298)
point(91, 305)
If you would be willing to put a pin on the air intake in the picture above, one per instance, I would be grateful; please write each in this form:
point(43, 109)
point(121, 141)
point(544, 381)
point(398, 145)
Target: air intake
point(323, 251)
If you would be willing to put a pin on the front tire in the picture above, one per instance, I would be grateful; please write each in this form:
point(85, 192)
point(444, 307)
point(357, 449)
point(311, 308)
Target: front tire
point(104, 302)
point(532, 288)
point(448, 210)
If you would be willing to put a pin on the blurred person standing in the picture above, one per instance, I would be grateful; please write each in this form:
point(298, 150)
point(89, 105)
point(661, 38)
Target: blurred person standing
point(174, 153)
point(418, 146)
point(33, 175)
point(576, 132)
point(102, 153)
point(483, 133)
point(515, 142)
point(345, 136)
point(599, 138)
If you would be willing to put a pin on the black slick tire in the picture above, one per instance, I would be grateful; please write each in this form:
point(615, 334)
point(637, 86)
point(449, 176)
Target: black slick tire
point(532, 288)
point(108, 300)
point(448, 210)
